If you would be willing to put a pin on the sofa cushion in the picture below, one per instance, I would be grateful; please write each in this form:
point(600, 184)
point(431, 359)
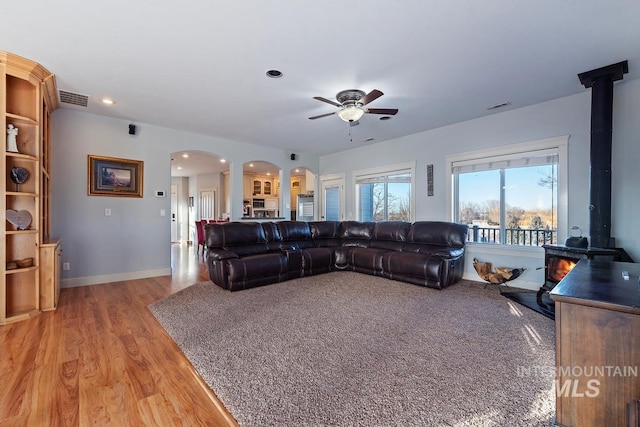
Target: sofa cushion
point(234, 233)
point(366, 260)
point(317, 260)
point(356, 230)
point(411, 264)
point(293, 230)
point(356, 234)
point(438, 233)
point(325, 233)
point(271, 232)
point(325, 229)
point(273, 264)
point(389, 235)
point(391, 230)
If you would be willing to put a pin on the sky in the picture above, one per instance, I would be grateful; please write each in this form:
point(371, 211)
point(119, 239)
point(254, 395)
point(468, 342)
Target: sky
point(522, 188)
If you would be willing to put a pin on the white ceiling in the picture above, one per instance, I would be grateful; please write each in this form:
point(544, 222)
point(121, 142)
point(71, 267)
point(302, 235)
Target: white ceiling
point(200, 65)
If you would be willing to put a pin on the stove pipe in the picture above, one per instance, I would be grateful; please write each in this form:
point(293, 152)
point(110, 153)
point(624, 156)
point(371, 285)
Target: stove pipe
point(601, 83)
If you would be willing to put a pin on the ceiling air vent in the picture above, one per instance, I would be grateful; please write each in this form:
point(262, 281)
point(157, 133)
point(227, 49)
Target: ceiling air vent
point(500, 105)
point(74, 98)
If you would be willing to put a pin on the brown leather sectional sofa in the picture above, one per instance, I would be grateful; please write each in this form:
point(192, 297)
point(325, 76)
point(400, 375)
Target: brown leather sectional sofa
point(243, 255)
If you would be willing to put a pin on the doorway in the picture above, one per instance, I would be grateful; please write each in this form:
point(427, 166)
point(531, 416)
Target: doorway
point(332, 199)
point(174, 214)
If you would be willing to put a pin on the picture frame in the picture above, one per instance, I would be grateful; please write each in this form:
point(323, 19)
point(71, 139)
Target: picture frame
point(112, 176)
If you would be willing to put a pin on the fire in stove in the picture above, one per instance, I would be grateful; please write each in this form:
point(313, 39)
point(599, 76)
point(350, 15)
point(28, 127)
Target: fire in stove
point(558, 267)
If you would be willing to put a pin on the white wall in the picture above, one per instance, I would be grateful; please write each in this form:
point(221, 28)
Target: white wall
point(135, 240)
point(569, 115)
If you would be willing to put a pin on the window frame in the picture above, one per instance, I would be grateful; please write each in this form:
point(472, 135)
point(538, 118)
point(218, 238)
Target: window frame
point(408, 167)
point(559, 143)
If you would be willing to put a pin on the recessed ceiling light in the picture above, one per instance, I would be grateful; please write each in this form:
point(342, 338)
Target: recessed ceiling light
point(297, 170)
point(274, 74)
point(108, 101)
point(385, 118)
point(268, 173)
point(179, 167)
point(185, 155)
point(223, 161)
point(250, 165)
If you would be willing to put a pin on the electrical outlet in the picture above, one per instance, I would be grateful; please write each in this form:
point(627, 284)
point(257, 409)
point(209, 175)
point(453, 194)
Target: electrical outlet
point(66, 266)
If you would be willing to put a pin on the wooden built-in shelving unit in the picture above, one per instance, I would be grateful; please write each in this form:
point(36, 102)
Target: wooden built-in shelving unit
point(27, 98)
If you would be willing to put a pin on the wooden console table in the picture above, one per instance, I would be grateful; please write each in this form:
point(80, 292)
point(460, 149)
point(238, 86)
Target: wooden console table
point(597, 344)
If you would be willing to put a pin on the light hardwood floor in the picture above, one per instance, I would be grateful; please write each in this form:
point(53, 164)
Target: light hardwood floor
point(101, 359)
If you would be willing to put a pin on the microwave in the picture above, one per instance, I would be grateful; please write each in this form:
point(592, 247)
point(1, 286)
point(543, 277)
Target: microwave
point(258, 203)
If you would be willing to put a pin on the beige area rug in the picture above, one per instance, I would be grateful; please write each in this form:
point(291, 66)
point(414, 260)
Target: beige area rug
point(349, 349)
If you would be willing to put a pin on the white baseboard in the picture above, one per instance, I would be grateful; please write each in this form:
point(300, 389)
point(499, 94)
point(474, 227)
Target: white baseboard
point(108, 278)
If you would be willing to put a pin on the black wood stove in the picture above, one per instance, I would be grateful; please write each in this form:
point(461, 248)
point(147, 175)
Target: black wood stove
point(560, 259)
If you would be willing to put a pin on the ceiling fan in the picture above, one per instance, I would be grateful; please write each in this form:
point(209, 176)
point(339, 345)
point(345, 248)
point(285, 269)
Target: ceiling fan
point(352, 104)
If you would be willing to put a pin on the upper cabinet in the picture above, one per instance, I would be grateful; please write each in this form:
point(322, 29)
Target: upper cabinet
point(27, 98)
point(261, 186)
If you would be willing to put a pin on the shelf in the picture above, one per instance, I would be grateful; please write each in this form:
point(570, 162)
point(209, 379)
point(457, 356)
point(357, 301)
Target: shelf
point(21, 156)
point(21, 194)
point(16, 317)
point(22, 270)
point(21, 118)
point(14, 232)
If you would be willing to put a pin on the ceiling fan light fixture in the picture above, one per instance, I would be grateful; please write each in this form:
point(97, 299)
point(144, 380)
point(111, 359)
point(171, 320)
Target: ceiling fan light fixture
point(351, 113)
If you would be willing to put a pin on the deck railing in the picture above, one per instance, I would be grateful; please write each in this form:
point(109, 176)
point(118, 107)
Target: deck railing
point(514, 236)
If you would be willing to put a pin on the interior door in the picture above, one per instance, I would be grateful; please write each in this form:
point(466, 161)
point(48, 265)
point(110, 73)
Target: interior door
point(207, 204)
point(332, 199)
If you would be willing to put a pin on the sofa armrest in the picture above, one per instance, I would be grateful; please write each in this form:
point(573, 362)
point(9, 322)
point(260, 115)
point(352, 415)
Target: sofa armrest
point(449, 253)
point(221, 255)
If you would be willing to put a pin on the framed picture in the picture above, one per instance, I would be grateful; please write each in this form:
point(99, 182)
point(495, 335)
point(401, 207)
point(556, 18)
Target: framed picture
point(110, 176)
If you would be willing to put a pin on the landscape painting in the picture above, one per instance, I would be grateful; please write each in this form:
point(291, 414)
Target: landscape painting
point(110, 176)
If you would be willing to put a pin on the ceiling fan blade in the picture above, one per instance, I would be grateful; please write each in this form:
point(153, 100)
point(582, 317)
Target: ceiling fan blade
point(328, 101)
point(371, 96)
point(385, 111)
point(322, 115)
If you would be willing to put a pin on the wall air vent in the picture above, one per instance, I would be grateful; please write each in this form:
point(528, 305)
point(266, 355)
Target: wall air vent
point(74, 98)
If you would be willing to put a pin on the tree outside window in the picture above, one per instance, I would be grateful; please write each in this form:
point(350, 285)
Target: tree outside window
point(385, 198)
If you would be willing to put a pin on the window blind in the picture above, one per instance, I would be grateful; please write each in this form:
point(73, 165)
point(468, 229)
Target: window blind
point(515, 160)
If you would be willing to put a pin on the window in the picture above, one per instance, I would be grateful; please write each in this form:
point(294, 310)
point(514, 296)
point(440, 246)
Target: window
point(385, 196)
point(509, 196)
